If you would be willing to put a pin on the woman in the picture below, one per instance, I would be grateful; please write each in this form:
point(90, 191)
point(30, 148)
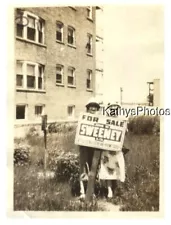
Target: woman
point(86, 153)
point(111, 164)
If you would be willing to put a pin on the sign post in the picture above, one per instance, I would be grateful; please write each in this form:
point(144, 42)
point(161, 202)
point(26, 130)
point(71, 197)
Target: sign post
point(92, 176)
point(101, 133)
point(44, 128)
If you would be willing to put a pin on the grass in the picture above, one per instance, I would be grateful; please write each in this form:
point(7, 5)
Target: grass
point(44, 195)
point(140, 192)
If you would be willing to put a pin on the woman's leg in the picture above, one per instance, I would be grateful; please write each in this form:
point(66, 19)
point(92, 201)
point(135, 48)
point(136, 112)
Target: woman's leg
point(86, 155)
point(109, 187)
point(82, 171)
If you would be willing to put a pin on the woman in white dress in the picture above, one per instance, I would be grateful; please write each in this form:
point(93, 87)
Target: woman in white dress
point(112, 164)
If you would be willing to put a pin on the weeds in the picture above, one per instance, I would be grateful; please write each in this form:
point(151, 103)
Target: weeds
point(144, 125)
point(140, 191)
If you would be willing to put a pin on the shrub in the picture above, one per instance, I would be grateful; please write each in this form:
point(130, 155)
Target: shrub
point(66, 167)
point(156, 128)
point(144, 125)
point(32, 132)
point(61, 127)
point(21, 154)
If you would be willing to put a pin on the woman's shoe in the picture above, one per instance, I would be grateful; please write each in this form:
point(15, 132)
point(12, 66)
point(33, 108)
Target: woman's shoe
point(82, 197)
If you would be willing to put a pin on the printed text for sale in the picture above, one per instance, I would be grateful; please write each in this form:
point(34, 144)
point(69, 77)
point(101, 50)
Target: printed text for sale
point(101, 132)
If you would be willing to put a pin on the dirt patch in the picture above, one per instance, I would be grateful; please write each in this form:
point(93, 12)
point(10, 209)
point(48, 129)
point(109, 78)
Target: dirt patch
point(108, 206)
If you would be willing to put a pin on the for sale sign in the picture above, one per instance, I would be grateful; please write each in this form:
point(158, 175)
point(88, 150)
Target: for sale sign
point(101, 132)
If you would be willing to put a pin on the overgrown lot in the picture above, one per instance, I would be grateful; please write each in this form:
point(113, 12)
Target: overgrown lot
point(140, 192)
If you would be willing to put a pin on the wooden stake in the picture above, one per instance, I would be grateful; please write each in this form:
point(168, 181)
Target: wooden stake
point(92, 176)
point(45, 151)
point(44, 128)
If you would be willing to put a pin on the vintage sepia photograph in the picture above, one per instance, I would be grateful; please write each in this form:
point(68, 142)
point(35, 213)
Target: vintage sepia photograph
point(88, 83)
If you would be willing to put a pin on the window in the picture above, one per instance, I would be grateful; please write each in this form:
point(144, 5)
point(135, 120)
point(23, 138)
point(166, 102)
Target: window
point(40, 27)
point(40, 76)
point(59, 74)
point(31, 28)
point(89, 44)
point(19, 75)
point(71, 111)
point(89, 79)
point(19, 23)
point(59, 31)
point(71, 76)
point(39, 110)
point(29, 75)
point(34, 30)
point(71, 36)
point(90, 12)
point(20, 112)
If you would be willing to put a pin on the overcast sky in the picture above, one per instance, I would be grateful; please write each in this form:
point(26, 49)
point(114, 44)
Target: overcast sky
point(133, 50)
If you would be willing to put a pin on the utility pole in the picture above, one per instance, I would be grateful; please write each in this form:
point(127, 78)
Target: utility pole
point(121, 90)
point(149, 91)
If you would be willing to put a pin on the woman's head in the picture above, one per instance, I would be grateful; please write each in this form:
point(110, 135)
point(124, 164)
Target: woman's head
point(115, 109)
point(92, 106)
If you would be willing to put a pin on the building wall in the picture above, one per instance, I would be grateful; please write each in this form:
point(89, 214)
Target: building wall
point(57, 98)
point(156, 92)
point(99, 54)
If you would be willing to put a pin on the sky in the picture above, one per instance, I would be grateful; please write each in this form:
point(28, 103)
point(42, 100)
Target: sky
point(133, 50)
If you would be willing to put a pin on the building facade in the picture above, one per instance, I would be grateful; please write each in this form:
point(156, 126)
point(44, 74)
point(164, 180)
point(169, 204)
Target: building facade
point(55, 62)
point(99, 54)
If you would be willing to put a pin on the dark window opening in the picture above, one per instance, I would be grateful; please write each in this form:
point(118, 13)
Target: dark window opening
point(40, 37)
point(70, 40)
point(71, 111)
point(30, 81)
point(70, 80)
point(89, 44)
point(20, 112)
point(38, 110)
point(40, 86)
point(30, 76)
point(40, 77)
point(31, 33)
point(19, 74)
point(19, 80)
point(58, 78)
point(58, 36)
point(59, 28)
point(71, 36)
point(20, 28)
point(88, 48)
point(88, 84)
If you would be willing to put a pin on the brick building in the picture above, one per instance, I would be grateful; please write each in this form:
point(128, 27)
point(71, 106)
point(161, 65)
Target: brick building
point(99, 53)
point(55, 62)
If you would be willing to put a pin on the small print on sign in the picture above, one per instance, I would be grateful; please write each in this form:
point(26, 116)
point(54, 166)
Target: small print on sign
point(101, 132)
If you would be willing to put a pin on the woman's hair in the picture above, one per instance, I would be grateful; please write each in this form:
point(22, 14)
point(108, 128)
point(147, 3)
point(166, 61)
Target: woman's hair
point(93, 104)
